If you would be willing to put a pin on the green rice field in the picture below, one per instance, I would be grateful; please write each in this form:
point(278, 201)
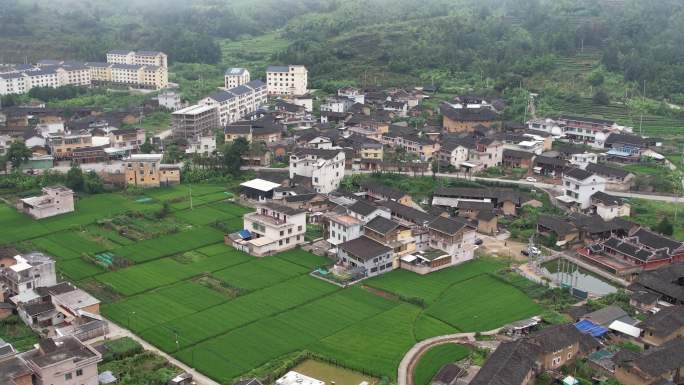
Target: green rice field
point(226, 313)
point(433, 360)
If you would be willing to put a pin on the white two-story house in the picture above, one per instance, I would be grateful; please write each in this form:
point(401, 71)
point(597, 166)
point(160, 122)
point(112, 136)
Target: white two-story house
point(325, 167)
point(579, 186)
point(272, 228)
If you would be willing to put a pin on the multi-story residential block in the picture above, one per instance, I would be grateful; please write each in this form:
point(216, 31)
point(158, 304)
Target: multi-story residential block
point(365, 256)
point(579, 186)
point(73, 74)
point(43, 77)
point(237, 102)
point(100, 72)
point(153, 58)
point(324, 167)
point(26, 273)
point(194, 121)
point(63, 145)
point(145, 170)
point(170, 100)
point(154, 77)
point(55, 200)
point(236, 77)
point(272, 228)
point(14, 83)
point(63, 361)
point(287, 80)
point(127, 139)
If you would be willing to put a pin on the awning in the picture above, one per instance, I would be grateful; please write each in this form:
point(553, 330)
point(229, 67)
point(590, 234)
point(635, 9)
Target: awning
point(588, 327)
point(565, 199)
point(469, 165)
point(244, 234)
point(625, 328)
point(409, 258)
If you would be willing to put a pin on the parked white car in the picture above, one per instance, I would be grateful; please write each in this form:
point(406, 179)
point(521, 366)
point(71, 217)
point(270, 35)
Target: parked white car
point(531, 179)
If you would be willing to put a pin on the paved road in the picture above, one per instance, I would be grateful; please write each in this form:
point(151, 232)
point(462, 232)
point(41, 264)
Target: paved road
point(411, 358)
point(116, 331)
point(539, 185)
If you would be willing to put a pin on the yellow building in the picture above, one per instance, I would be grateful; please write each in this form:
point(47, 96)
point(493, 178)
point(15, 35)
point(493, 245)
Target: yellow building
point(145, 170)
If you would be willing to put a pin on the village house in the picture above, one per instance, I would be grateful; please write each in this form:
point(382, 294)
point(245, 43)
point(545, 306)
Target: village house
point(21, 277)
point(63, 361)
point(13, 370)
point(593, 132)
point(516, 159)
point(380, 192)
point(55, 200)
point(352, 93)
point(365, 211)
point(465, 119)
point(412, 142)
point(628, 148)
point(324, 168)
point(549, 166)
point(580, 185)
point(62, 145)
point(128, 140)
point(665, 325)
point(342, 227)
point(272, 228)
point(453, 236)
point(519, 362)
point(259, 190)
point(146, 170)
point(508, 201)
point(366, 256)
point(261, 130)
point(392, 234)
point(640, 249)
point(667, 282)
point(609, 206)
point(563, 230)
point(655, 366)
point(203, 145)
point(617, 179)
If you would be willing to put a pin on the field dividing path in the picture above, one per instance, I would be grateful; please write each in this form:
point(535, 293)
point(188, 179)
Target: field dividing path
point(411, 358)
point(116, 331)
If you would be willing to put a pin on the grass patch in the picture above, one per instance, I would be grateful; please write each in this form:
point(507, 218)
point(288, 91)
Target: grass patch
point(434, 359)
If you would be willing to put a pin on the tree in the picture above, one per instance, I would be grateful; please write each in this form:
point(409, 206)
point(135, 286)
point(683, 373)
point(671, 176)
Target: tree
point(92, 183)
point(232, 155)
point(17, 154)
point(596, 78)
point(172, 154)
point(74, 178)
point(665, 227)
point(147, 147)
point(220, 138)
point(601, 98)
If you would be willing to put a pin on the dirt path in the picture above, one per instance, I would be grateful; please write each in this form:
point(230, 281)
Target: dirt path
point(116, 331)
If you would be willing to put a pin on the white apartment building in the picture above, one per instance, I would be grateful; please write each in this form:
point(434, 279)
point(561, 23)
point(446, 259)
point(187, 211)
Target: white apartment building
point(236, 103)
point(273, 228)
point(43, 77)
point(579, 186)
point(14, 83)
point(170, 100)
point(236, 77)
point(153, 58)
point(287, 80)
point(324, 167)
point(203, 145)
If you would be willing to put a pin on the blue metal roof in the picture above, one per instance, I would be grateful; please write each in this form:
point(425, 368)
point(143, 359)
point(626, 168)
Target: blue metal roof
point(588, 327)
point(244, 234)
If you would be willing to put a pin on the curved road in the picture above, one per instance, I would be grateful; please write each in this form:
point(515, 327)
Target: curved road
point(411, 358)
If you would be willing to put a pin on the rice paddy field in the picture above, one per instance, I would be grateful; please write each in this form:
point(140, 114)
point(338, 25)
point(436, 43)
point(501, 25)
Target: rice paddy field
point(227, 313)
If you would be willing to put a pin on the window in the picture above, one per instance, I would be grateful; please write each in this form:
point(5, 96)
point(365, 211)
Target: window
point(299, 228)
point(67, 377)
point(282, 232)
point(79, 372)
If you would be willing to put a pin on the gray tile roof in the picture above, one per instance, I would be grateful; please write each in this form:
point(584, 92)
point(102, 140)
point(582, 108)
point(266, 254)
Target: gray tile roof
point(364, 248)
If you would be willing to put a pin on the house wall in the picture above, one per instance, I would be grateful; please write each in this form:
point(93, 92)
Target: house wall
point(508, 208)
point(581, 191)
point(338, 232)
point(487, 227)
point(325, 174)
point(56, 374)
point(650, 339)
point(376, 266)
point(460, 126)
point(557, 359)
point(626, 376)
point(610, 212)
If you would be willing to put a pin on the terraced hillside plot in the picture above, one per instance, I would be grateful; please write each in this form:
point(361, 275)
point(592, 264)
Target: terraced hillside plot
point(429, 287)
point(169, 244)
point(482, 303)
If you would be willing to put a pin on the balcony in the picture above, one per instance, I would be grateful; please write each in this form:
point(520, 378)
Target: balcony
point(267, 220)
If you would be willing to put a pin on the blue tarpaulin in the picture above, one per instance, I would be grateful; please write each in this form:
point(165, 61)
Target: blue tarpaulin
point(244, 234)
point(588, 327)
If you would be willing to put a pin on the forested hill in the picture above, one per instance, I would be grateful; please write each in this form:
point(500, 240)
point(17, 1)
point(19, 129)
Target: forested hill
point(388, 41)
